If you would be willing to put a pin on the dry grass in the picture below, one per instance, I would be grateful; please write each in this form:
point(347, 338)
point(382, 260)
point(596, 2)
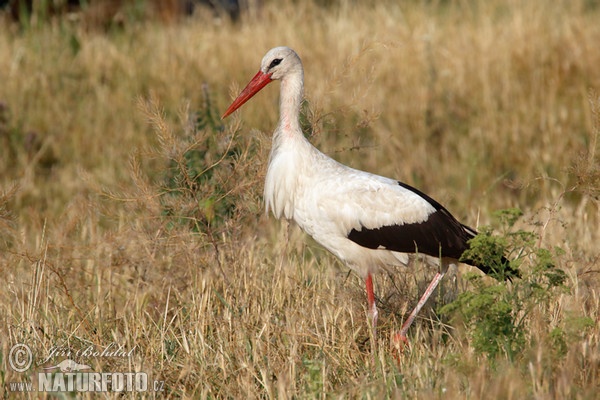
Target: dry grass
point(484, 105)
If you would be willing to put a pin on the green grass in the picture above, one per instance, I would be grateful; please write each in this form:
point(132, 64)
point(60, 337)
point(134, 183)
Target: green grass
point(130, 214)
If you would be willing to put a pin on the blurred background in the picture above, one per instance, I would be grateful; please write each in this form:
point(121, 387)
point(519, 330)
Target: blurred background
point(130, 213)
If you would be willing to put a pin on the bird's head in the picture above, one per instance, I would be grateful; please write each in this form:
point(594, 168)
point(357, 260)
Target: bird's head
point(278, 63)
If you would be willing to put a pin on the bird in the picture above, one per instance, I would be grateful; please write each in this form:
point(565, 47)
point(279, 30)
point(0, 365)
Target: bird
point(367, 221)
point(68, 366)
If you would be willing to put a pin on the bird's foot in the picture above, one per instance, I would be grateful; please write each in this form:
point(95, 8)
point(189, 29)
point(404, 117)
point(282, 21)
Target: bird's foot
point(398, 344)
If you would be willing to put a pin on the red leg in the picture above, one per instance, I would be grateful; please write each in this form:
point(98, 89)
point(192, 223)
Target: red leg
point(372, 307)
point(401, 336)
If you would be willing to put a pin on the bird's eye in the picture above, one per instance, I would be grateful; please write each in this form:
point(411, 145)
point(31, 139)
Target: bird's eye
point(275, 63)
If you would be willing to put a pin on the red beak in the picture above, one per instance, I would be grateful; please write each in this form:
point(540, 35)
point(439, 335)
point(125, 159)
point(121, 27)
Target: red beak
point(259, 81)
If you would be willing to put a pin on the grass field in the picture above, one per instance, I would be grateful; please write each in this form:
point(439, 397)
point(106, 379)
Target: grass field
point(131, 215)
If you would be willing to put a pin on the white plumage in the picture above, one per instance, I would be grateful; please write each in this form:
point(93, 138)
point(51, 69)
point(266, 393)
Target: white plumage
point(366, 220)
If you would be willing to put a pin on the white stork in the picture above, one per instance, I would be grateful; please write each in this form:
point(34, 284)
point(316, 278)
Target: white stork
point(365, 220)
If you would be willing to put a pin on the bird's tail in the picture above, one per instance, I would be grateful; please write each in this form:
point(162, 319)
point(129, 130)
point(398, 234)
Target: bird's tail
point(500, 269)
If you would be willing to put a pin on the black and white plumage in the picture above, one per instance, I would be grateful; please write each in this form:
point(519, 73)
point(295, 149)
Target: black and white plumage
point(366, 220)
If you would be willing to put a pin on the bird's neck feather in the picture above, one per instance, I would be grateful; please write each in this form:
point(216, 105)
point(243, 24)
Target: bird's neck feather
point(290, 99)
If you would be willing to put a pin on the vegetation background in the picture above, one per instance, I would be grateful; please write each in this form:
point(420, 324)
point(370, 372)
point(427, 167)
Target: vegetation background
point(131, 214)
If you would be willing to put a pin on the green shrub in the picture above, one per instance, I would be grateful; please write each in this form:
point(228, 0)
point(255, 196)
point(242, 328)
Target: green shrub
point(202, 184)
point(495, 312)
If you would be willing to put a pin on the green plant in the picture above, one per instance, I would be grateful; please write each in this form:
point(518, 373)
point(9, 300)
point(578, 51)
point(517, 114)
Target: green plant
point(495, 313)
point(200, 177)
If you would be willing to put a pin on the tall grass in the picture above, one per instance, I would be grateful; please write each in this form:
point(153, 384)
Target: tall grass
point(130, 214)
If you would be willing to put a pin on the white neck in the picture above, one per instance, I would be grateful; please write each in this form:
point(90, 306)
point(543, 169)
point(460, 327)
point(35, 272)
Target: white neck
point(291, 152)
point(290, 99)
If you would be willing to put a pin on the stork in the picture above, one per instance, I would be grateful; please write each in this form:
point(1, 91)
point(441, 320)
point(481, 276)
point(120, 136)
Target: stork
point(367, 221)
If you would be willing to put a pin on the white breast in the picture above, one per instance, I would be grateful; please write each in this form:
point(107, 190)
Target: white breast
point(286, 173)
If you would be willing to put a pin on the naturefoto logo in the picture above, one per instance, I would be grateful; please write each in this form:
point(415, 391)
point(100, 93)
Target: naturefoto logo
point(60, 372)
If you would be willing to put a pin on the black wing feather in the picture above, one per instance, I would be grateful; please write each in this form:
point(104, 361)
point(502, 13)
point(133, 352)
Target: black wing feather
point(441, 234)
